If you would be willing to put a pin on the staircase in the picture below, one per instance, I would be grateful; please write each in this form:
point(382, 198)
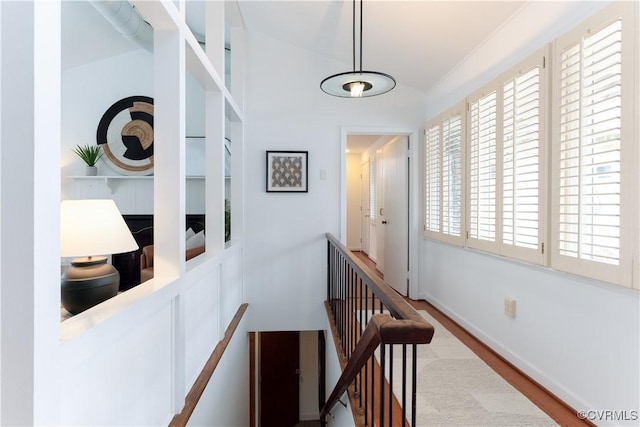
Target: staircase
point(367, 316)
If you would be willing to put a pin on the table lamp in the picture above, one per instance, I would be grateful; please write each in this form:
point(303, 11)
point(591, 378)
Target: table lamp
point(91, 229)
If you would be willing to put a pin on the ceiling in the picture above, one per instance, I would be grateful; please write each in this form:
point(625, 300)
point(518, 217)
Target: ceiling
point(87, 36)
point(418, 42)
point(357, 144)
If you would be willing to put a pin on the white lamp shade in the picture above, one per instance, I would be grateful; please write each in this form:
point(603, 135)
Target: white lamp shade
point(93, 227)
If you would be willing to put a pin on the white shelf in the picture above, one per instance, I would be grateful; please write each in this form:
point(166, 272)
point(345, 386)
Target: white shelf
point(106, 177)
point(124, 177)
point(109, 180)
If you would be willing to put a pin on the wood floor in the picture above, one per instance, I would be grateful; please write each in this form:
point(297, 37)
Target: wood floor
point(555, 408)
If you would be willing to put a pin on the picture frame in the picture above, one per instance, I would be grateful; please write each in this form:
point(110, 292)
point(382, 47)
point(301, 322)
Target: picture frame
point(287, 172)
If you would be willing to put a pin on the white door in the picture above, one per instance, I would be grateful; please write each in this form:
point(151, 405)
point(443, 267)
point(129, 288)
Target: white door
point(379, 229)
point(395, 222)
point(365, 209)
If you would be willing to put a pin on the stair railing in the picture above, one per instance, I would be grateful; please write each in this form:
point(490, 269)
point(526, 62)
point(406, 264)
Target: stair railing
point(366, 314)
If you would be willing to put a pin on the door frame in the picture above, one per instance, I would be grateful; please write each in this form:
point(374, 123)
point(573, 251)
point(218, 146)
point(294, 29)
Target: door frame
point(415, 186)
point(365, 214)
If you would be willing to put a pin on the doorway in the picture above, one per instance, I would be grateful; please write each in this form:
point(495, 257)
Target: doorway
point(279, 378)
point(286, 374)
point(385, 214)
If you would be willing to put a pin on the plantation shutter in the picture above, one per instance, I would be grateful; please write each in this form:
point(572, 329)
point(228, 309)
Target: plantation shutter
point(522, 162)
point(452, 176)
point(594, 168)
point(432, 179)
point(482, 171)
point(590, 147)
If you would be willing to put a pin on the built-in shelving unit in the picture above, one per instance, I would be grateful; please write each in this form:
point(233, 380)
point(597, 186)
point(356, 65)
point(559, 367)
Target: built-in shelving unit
point(161, 330)
point(214, 100)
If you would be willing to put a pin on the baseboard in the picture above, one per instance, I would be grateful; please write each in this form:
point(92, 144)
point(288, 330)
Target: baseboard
point(309, 416)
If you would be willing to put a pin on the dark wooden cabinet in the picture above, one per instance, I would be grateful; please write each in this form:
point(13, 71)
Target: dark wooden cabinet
point(128, 264)
point(141, 226)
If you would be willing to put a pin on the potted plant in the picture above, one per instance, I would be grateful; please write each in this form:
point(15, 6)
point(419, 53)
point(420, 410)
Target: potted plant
point(90, 154)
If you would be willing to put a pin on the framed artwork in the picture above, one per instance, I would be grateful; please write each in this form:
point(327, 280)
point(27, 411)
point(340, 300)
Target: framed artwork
point(287, 172)
point(125, 133)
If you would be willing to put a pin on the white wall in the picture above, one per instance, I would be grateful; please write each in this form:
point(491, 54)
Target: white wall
point(340, 416)
point(576, 337)
point(30, 194)
point(285, 244)
point(87, 92)
point(225, 400)
point(134, 357)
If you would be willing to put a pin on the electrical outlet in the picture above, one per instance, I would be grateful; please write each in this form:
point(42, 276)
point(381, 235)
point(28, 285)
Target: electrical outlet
point(510, 307)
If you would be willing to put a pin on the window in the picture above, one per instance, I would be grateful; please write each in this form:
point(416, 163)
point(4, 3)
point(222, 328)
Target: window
point(506, 147)
point(443, 184)
point(594, 151)
point(588, 158)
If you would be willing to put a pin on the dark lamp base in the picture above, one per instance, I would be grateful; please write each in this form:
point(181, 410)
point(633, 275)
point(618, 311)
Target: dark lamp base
point(88, 282)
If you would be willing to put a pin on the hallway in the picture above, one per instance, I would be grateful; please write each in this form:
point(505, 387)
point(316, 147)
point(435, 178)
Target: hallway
point(546, 401)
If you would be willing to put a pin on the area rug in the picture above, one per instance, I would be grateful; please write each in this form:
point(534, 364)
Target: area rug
point(456, 388)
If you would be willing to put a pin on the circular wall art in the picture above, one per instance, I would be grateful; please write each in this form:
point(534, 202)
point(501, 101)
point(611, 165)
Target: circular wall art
point(125, 133)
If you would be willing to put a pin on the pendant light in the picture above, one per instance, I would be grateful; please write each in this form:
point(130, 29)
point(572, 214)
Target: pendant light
point(357, 83)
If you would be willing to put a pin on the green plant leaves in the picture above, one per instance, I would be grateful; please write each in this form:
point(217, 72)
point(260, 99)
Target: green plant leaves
point(90, 154)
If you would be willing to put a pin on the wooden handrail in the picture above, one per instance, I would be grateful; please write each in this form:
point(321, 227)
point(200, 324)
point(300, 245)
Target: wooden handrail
point(381, 329)
point(371, 338)
point(198, 387)
point(394, 302)
point(403, 326)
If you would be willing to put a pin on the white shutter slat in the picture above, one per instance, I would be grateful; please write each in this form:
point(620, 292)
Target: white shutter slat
point(483, 141)
point(443, 176)
point(452, 176)
point(432, 178)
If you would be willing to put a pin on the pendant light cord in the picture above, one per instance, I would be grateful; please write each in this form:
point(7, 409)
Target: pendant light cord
point(354, 36)
point(357, 83)
point(361, 35)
